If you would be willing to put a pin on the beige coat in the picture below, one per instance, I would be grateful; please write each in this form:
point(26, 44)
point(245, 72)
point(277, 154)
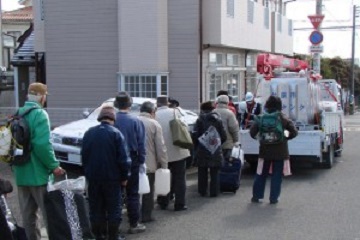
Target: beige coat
point(156, 155)
point(164, 115)
point(230, 124)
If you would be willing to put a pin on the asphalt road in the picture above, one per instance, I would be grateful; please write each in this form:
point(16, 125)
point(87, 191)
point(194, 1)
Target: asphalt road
point(316, 204)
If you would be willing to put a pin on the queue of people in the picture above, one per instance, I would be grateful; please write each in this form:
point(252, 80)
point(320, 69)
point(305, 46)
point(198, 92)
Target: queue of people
point(123, 145)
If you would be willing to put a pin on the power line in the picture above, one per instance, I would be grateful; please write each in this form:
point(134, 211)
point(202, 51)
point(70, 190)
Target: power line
point(328, 28)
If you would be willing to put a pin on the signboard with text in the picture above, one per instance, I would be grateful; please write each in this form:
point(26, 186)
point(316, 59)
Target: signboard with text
point(316, 20)
point(316, 49)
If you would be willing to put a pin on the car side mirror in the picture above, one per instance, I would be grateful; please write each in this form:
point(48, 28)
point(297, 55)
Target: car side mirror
point(85, 112)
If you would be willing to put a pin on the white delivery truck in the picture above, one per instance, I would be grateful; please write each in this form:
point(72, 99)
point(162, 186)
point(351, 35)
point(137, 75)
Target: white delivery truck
point(319, 120)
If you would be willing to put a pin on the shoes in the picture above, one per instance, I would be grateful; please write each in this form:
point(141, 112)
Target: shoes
point(180, 208)
point(255, 200)
point(139, 228)
point(274, 201)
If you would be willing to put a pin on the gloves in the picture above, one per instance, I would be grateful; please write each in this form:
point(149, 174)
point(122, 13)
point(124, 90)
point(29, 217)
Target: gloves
point(142, 168)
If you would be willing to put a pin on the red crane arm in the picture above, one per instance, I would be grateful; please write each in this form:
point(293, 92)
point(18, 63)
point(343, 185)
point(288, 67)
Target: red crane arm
point(266, 63)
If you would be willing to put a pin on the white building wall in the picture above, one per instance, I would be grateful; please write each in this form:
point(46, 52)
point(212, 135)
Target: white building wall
point(283, 38)
point(143, 36)
point(236, 31)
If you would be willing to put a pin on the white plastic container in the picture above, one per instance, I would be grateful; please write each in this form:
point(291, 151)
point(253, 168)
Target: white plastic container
point(144, 186)
point(5, 141)
point(162, 181)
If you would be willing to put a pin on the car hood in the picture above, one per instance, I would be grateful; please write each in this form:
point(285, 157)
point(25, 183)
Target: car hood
point(75, 129)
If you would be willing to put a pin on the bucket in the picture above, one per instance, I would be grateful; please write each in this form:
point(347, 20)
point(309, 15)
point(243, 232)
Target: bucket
point(162, 182)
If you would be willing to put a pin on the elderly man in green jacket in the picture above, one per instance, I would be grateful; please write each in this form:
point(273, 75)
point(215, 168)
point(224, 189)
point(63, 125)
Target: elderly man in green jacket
point(32, 177)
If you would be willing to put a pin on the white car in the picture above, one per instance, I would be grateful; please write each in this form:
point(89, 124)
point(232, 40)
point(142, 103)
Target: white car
point(67, 139)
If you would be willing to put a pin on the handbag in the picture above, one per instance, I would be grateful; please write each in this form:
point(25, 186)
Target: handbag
point(144, 186)
point(180, 134)
point(210, 139)
point(67, 211)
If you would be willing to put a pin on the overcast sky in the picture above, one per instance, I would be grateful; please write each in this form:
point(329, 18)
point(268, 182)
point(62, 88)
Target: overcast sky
point(337, 13)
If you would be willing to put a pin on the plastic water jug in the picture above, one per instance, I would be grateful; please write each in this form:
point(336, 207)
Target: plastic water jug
point(144, 186)
point(162, 182)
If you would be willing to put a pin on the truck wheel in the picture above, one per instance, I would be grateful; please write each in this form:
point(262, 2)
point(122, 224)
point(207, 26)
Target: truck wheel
point(329, 157)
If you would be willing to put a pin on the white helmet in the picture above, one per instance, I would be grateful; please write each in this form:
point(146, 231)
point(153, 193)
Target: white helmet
point(249, 97)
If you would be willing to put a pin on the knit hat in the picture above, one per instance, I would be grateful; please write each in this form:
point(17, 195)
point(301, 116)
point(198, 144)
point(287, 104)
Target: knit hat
point(123, 100)
point(38, 89)
point(107, 112)
point(162, 100)
point(223, 99)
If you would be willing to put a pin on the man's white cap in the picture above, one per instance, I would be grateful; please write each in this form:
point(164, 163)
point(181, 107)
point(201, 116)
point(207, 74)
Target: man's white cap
point(249, 97)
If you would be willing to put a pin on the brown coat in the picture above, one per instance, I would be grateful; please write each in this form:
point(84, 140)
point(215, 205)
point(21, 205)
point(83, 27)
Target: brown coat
point(275, 151)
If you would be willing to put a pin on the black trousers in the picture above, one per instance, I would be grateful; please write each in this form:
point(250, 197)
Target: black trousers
point(178, 184)
point(203, 180)
point(132, 193)
point(148, 200)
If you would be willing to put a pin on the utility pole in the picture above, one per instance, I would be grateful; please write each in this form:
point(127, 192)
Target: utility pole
point(316, 56)
point(1, 38)
point(352, 74)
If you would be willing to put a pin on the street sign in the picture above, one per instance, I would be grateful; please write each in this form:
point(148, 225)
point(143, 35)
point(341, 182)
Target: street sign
point(316, 49)
point(316, 37)
point(316, 20)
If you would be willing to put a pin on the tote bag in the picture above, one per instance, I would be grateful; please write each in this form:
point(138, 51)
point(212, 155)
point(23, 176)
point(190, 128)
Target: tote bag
point(180, 134)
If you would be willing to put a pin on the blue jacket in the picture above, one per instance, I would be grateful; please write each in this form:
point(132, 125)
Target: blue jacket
point(104, 154)
point(134, 133)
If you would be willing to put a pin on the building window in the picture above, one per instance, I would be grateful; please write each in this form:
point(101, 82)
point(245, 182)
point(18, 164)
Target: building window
point(250, 15)
point(250, 60)
point(233, 84)
point(230, 8)
point(215, 85)
point(216, 59)
point(266, 18)
point(232, 59)
point(290, 26)
point(142, 85)
point(279, 23)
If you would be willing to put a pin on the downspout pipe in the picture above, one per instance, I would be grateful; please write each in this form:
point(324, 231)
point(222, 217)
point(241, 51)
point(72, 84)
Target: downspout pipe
point(201, 51)
point(246, 54)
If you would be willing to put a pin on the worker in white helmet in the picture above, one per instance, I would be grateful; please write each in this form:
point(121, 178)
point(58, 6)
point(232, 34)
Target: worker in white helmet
point(246, 107)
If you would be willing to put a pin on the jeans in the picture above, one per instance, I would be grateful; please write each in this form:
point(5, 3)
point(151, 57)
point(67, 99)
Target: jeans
point(105, 202)
point(276, 180)
point(203, 180)
point(178, 184)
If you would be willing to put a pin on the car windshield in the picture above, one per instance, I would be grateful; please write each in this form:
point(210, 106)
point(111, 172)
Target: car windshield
point(135, 108)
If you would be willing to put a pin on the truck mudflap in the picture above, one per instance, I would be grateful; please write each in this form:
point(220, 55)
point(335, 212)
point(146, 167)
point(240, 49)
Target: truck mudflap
point(307, 143)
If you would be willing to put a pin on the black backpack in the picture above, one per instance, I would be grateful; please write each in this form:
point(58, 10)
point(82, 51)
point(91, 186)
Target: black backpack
point(20, 144)
point(271, 130)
